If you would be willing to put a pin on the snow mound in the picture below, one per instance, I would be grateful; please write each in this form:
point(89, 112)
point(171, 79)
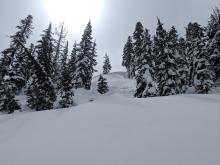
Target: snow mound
point(118, 84)
point(116, 130)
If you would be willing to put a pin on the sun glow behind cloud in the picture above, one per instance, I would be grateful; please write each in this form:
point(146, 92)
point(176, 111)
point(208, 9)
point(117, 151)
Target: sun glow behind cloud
point(74, 13)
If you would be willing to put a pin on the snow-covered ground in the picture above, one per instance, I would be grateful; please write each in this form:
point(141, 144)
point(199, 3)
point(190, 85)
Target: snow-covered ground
point(116, 129)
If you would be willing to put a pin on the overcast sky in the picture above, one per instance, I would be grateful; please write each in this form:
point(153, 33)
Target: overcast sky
point(116, 22)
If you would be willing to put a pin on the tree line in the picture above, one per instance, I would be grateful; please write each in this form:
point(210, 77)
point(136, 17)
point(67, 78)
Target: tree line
point(168, 64)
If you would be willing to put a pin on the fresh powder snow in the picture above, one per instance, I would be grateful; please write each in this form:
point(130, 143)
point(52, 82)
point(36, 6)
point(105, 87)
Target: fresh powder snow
point(116, 129)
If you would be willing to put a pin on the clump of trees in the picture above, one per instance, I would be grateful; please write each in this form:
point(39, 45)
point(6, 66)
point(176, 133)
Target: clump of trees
point(44, 70)
point(167, 64)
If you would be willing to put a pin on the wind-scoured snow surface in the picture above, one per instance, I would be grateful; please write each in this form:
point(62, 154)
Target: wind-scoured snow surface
point(116, 129)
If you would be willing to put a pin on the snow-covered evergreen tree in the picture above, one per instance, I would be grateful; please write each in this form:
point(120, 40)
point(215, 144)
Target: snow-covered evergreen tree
point(12, 77)
point(194, 32)
point(66, 81)
point(28, 62)
point(127, 57)
point(44, 51)
point(182, 65)
point(215, 56)
point(61, 33)
point(146, 86)
point(13, 62)
point(172, 64)
point(64, 56)
point(165, 65)
point(72, 62)
point(8, 104)
point(165, 57)
point(213, 46)
point(94, 55)
point(41, 92)
point(107, 66)
point(203, 75)
point(102, 86)
point(159, 45)
point(16, 74)
point(85, 60)
point(138, 37)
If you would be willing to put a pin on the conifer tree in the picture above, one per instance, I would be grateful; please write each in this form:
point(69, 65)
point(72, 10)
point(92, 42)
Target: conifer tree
point(28, 62)
point(172, 64)
point(85, 60)
point(41, 92)
point(160, 56)
point(166, 67)
point(16, 74)
point(61, 33)
point(203, 76)
point(159, 45)
point(102, 86)
point(44, 51)
point(146, 86)
point(13, 62)
point(66, 82)
point(107, 66)
point(183, 69)
point(213, 46)
point(94, 55)
point(194, 32)
point(8, 104)
point(12, 80)
point(127, 57)
point(64, 57)
point(72, 62)
point(138, 37)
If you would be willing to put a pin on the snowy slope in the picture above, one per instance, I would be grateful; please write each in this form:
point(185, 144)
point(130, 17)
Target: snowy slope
point(116, 130)
point(117, 82)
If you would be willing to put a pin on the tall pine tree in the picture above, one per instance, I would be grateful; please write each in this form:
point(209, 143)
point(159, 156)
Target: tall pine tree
point(166, 67)
point(41, 92)
point(72, 62)
point(44, 51)
point(146, 86)
point(127, 57)
point(213, 31)
point(59, 47)
point(138, 37)
point(12, 67)
point(182, 65)
point(203, 75)
point(66, 81)
point(194, 32)
point(107, 66)
point(94, 55)
point(85, 61)
point(13, 62)
point(172, 64)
